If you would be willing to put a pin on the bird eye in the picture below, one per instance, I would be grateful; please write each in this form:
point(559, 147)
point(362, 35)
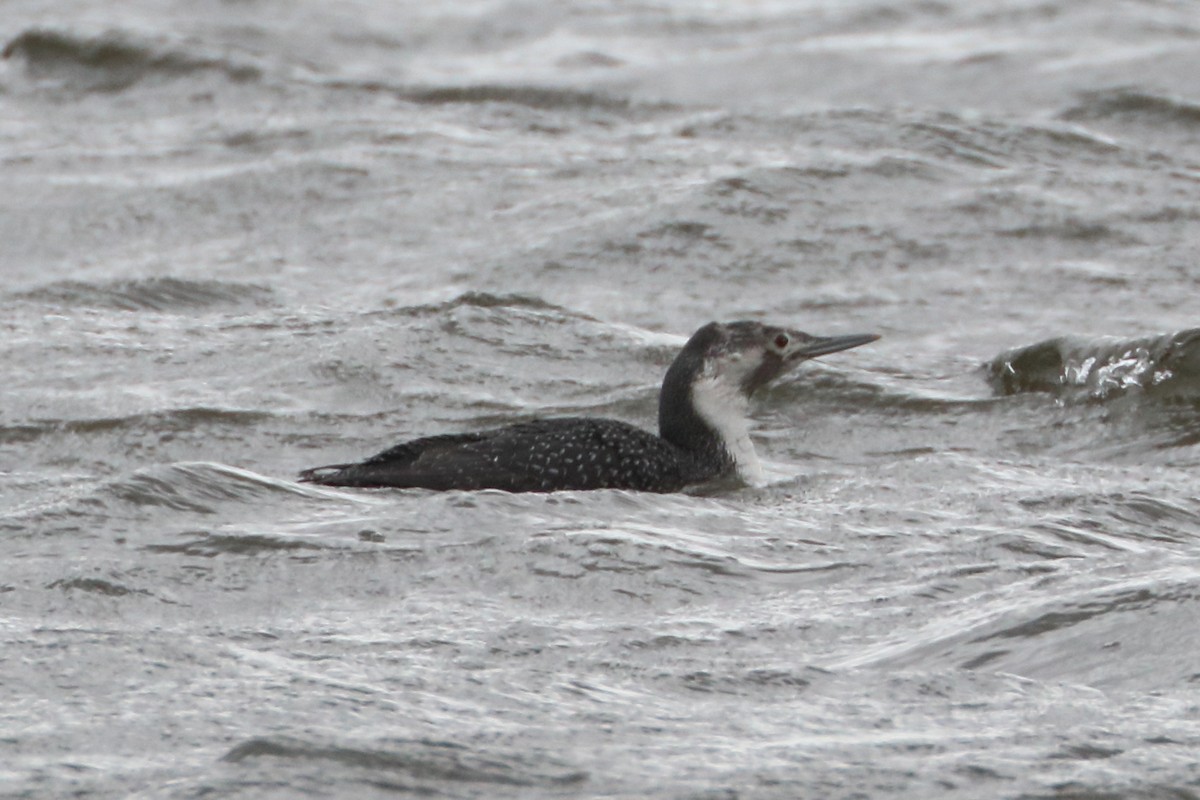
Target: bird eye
point(782, 340)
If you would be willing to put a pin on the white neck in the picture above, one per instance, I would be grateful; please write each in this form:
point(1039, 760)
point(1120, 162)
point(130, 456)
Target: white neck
point(723, 408)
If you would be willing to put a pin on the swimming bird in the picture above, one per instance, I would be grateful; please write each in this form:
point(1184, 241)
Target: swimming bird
point(703, 433)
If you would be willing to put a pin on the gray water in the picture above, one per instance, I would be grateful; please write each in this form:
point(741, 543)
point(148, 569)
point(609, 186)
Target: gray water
point(238, 239)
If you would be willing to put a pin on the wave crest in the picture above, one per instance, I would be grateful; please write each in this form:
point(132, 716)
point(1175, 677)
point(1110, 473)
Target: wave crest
point(1134, 104)
point(1101, 367)
point(110, 62)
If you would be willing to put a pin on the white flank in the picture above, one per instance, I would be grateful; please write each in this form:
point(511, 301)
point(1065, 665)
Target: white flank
point(723, 406)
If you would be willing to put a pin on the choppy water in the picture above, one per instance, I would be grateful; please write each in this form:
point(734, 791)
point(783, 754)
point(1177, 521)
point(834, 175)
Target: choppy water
point(243, 238)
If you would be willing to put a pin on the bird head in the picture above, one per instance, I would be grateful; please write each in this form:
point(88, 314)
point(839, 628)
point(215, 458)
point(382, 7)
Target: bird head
point(749, 355)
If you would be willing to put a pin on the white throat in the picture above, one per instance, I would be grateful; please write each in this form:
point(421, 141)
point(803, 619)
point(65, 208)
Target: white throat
point(723, 407)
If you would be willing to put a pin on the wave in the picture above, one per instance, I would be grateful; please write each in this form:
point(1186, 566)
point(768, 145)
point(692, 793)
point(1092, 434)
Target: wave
point(1126, 103)
point(112, 588)
point(147, 294)
point(194, 486)
point(110, 62)
point(1069, 229)
point(1098, 368)
point(935, 144)
point(197, 487)
point(98, 586)
point(539, 97)
point(478, 299)
point(1065, 633)
point(1130, 521)
point(421, 760)
point(208, 545)
point(180, 419)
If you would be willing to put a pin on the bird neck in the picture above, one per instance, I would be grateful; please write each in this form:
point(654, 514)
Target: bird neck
point(706, 417)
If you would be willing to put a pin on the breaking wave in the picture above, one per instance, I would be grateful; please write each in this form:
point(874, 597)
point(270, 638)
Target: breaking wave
point(1098, 368)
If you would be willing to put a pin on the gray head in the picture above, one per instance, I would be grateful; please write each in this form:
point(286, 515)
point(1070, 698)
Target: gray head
point(705, 391)
point(749, 355)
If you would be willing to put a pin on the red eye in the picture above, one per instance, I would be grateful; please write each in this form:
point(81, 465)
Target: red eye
point(782, 340)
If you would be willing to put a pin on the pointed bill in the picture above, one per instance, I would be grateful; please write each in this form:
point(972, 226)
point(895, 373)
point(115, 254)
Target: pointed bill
point(824, 345)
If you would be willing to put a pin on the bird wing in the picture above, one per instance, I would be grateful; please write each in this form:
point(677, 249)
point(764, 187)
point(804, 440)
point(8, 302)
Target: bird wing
point(389, 467)
point(562, 453)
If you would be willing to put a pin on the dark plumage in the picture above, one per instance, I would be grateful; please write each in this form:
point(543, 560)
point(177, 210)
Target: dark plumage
point(701, 420)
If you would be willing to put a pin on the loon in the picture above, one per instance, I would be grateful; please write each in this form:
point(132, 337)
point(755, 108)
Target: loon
point(703, 432)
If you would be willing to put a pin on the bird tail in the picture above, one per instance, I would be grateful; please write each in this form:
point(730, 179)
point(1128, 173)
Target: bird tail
point(326, 475)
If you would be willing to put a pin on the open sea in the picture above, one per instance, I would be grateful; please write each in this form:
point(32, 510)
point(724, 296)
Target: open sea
point(239, 238)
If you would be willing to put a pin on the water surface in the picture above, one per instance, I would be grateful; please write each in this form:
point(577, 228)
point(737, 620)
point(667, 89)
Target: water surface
point(241, 239)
